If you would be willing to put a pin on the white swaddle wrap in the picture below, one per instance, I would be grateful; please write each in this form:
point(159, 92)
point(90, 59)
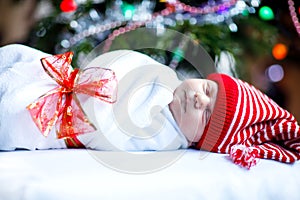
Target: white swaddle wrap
point(22, 80)
point(139, 120)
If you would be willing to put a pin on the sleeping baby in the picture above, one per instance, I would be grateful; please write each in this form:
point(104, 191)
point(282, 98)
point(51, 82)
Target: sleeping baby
point(124, 100)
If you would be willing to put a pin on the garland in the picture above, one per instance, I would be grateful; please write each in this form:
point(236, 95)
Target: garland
point(172, 7)
point(294, 16)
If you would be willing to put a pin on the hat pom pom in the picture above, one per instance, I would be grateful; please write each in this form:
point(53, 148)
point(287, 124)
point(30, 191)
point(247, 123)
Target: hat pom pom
point(244, 156)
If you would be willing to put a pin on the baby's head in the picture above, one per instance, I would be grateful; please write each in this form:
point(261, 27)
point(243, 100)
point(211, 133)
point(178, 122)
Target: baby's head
point(200, 108)
point(192, 106)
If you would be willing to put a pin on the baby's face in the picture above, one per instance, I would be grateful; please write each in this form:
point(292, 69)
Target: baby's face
point(192, 105)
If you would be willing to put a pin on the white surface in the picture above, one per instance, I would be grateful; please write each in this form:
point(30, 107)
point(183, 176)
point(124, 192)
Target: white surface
point(76, 174)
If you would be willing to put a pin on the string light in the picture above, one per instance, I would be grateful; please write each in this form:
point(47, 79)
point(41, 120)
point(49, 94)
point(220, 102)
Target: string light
point(127, 17)
point(174, 6)
point(134, 26)
point(92, 31)
point(206, 9)
point(294, 16)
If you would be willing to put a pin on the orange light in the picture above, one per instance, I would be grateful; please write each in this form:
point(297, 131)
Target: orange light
point(279, 51)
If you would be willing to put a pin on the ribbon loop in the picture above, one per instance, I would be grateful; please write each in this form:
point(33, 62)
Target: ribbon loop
point(60, 106)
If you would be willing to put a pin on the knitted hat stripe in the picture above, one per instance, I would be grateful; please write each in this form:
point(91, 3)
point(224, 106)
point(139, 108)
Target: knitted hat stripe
point(281, 154)
point(276, 151)
point(273, 104)
point(295, 131)
point(262, 101)
point(287, 132)
point(291, 156)
point(296, 138)
point(270, 150)
point(279, 113)
point(249, 142)
point(260, 126)
point(295, 144)
point(271, 130)
point(235, 125)
point(280, 130)
point(266, 109)
point(260, 134)
point(268, 132)
point(272, 110)
point(263, 151)
point(251, 100)
point(232, 127)
point(283, 130)
point(257, 112)
point(256, 99)
point(257, 138)
point(247, 132)
point(287, 156)
point(243, 118)
point(255, 103)
point(294, 154)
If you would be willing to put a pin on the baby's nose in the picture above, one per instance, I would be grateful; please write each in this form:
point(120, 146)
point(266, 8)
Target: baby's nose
point(201, 100)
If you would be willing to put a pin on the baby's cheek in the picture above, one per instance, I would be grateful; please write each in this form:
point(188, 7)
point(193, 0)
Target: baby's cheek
point(175, 110)
point(192, 127)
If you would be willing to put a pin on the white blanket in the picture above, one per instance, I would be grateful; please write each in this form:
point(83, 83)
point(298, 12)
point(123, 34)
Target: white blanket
point(22, 80)
point(82, 174)
point(139, 120)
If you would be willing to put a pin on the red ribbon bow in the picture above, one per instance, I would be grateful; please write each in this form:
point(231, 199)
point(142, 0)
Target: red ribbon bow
point(61, 106)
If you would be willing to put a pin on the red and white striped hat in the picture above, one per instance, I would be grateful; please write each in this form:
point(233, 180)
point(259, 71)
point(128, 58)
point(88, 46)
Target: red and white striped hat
point(248, 125)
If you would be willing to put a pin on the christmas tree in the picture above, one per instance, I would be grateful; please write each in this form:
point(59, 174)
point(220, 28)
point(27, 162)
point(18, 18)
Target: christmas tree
point(238, 28)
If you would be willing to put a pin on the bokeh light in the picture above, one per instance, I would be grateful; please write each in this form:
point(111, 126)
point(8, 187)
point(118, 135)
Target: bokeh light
point(266, 13)
point(275, 73)
point(279, 51)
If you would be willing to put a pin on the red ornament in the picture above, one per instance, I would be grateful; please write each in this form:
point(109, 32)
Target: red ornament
point(68, 6)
